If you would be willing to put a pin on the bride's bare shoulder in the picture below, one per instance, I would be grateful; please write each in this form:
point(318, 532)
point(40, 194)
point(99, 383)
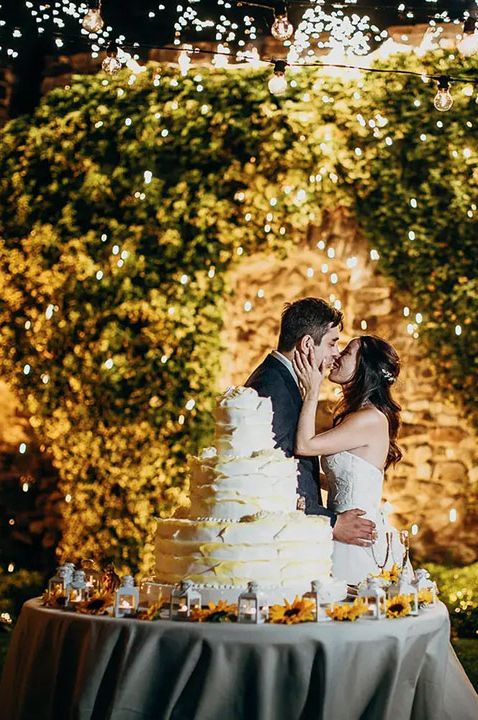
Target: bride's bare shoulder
point(371, 416)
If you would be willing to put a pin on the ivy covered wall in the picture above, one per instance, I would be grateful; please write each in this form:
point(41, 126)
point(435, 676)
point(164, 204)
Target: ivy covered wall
point(123, 205)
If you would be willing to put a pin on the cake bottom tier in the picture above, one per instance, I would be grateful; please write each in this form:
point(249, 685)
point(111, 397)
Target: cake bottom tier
point(286, 550)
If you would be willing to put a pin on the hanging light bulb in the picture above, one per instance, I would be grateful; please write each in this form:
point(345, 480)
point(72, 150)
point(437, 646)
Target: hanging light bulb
point(468, 45)
point(184, 62)
point(111, 63)
point(93, 22)
point(443, 100)
point(278, 83)
point(281, 28)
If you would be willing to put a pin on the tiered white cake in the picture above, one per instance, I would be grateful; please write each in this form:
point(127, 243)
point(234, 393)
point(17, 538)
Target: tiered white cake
point(242, 524)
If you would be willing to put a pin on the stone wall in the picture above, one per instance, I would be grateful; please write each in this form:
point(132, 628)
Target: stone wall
point(438, 476)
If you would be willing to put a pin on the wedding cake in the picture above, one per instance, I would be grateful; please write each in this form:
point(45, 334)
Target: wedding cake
point(242, 524)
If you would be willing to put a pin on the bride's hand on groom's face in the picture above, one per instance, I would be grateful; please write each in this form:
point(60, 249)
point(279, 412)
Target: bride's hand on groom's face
point(309, 375)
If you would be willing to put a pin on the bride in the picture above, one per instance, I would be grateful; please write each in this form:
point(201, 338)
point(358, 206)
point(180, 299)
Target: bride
point(358, 449)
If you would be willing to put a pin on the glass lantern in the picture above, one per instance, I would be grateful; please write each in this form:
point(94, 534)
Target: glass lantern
point(126, 597)
point(78, 590)
point(92, 576)
point(423, 582)
point(184, 599)
point(252, 605)
point(404, 587)
point(151, 592)
point(60, 583)
point(375, 598)
point(71, 570)
point(316, 594)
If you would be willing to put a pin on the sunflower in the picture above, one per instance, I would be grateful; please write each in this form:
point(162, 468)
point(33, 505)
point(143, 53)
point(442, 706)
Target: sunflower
point(390, 576)
point(96, 604)
point(398, 606)
point(425, 597)
point(291, 613)
point(55, 600)
point(150, 613)
point(348, 612)
point(220, 612)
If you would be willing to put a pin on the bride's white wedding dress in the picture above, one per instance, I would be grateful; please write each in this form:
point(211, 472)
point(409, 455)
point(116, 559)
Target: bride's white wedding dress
point(355, 483)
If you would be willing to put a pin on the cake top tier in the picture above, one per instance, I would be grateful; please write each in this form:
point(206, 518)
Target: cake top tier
point(243, 422)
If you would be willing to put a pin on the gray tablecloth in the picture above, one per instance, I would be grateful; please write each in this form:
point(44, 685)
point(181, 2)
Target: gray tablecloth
point(62, 666)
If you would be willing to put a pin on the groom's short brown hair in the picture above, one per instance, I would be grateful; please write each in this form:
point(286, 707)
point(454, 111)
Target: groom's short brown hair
point(309, 316)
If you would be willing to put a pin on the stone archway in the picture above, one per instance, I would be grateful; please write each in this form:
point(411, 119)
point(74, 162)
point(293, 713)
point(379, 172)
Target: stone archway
point(434, 487)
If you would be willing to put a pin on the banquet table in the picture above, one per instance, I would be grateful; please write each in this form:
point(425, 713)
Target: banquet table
point(63, 666)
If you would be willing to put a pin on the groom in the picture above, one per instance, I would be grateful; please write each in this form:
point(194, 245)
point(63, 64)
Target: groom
point(305, 324)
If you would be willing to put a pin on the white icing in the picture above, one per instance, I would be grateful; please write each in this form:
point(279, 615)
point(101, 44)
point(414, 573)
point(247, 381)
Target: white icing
point(242, 524)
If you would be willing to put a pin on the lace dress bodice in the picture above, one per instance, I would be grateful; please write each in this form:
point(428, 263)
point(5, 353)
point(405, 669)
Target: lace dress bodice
point(353, 483)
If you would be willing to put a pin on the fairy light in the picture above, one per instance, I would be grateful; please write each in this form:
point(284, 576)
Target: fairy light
point(414, 529)
point(443, 100)
point(282, 28)
point(93, 21)
point(453, 515)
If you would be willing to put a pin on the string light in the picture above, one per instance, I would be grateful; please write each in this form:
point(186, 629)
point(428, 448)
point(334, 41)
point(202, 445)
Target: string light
point(282, 28)
point(93, 21)
point(111, 64)
point(468, 45)
point(443, 100)
point(278, 82)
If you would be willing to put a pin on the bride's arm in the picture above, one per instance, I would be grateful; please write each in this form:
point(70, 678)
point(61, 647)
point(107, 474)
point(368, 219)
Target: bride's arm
point(354, 432)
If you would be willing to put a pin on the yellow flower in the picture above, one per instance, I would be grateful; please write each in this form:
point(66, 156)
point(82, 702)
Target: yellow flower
point(150, 613)
point(425, 597)
point(390, 576)
point(348, 612)
point(220, 612)
point(55, 600)
point(290, 613)
point(398, 606)
point(95, 605)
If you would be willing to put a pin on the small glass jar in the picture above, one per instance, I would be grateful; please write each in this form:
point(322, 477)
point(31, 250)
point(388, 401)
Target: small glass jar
point(252, 606)
point(316, 595)
point(126, 598)
point(184, 599)
point(375, 598)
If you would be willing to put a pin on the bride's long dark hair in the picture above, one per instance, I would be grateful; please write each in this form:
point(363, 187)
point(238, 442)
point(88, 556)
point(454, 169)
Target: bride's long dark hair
point(378, 366)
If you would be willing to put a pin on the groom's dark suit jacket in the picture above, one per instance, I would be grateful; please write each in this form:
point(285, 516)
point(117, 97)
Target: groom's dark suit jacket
point(272, 379)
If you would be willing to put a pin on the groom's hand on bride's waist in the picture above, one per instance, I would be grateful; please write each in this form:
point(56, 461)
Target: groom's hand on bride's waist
point(353, 529)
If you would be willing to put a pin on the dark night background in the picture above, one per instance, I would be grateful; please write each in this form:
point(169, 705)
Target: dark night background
point(131, 19)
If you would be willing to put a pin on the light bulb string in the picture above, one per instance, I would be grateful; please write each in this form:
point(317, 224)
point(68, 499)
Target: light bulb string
point(271, 61)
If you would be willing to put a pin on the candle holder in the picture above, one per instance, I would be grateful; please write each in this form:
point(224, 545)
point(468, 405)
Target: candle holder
point(184, 599)
point(126, 598)
point(404, 587)
point(375, 598)
point(320, 606)
point(78, 591)
point(92, 576)
point(60, 583)
point(423, 582)
point(252, 605)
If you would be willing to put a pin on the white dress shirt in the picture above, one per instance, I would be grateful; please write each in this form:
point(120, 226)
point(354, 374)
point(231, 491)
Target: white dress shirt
point(285, 361)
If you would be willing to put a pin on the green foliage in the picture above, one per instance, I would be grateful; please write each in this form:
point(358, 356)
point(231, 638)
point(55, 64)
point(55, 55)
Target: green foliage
point(459, 591)
point(112, 287)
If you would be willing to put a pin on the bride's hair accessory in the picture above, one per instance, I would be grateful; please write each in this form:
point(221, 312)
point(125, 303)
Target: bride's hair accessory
point(389, 377)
